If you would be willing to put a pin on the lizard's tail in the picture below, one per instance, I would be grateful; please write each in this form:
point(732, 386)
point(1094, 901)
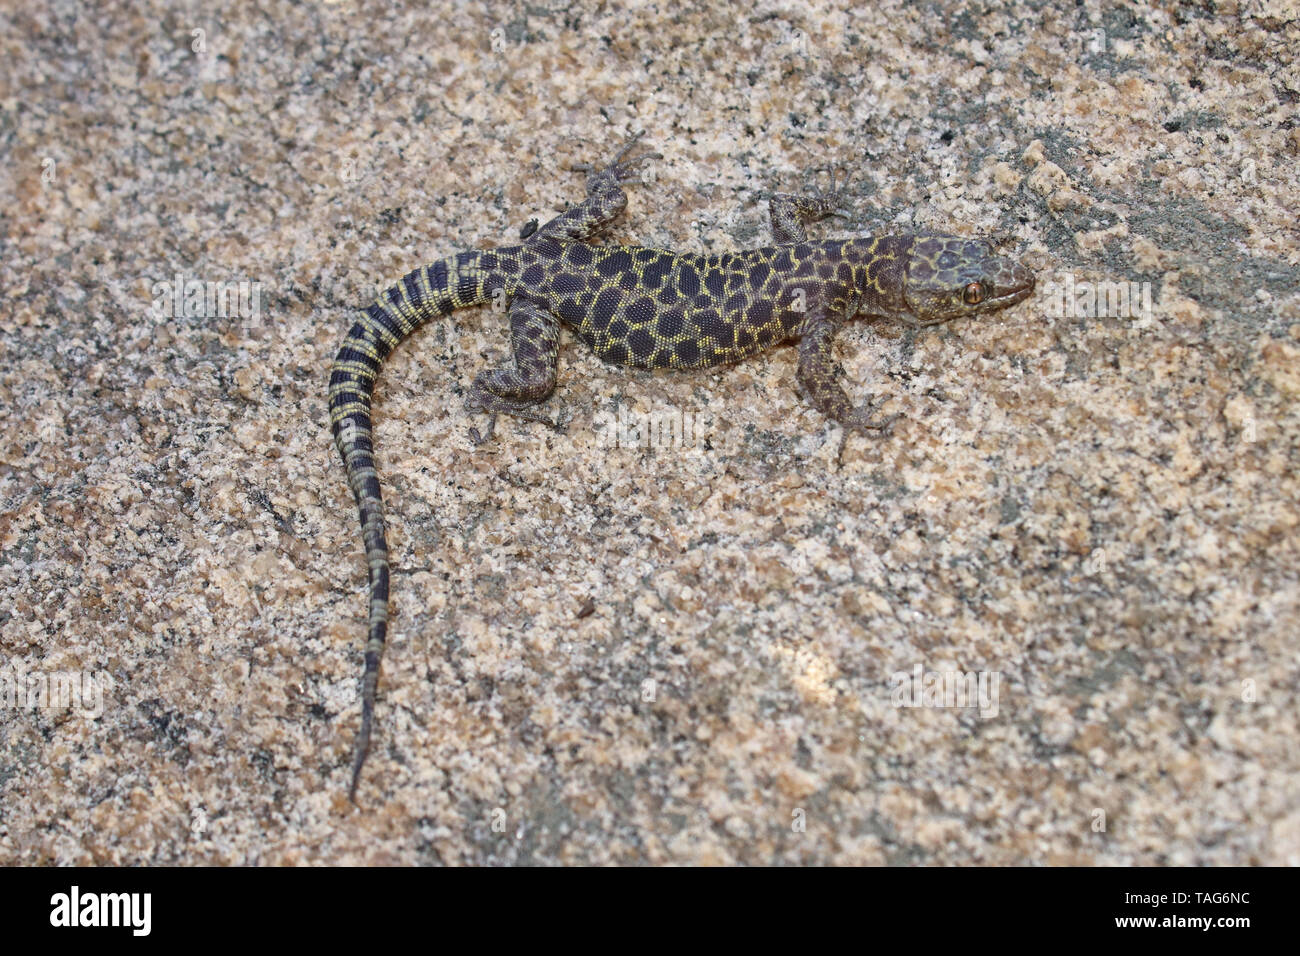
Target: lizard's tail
point(436, 289)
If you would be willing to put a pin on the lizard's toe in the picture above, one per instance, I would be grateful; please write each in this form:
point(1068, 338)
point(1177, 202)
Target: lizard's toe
point(620, 171)
point(861, 420)
point(477, 439)
point(627, 146)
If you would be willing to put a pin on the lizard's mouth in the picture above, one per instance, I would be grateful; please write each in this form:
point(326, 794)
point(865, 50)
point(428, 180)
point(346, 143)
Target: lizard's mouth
point(1020, 287)
point(1012, 283)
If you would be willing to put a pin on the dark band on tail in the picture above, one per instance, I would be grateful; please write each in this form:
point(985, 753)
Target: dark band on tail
point(436, 289)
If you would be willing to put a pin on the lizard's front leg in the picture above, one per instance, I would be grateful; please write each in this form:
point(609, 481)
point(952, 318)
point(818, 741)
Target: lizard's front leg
point(517, 388)
point(818, 379)
point(789, 213)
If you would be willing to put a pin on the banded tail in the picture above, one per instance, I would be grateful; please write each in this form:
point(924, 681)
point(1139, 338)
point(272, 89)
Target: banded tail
point(436, 289)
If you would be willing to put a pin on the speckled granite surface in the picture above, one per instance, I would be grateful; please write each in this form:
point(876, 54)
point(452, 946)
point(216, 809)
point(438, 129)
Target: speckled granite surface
point(1096, 514)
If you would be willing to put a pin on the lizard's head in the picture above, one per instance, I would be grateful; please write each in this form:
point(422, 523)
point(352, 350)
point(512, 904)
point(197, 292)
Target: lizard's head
point(947, 277)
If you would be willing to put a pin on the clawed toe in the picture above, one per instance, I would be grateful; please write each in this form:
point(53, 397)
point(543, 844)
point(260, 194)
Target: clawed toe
point(495, 405)
point(833, 190)
point(626, 165)
point(882, 428)
point(621, 170)
point(833, 200)
point(861, 420)
point(476, 439)
point(862, 424)
point(627, 147)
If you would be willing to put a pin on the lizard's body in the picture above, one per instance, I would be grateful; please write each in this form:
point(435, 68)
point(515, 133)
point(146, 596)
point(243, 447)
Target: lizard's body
point(651, 309)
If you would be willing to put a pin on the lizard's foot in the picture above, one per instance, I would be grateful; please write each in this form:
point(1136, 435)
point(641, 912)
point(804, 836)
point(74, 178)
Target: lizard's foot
point(501, 406)
point(517, 410)
point(860, 421)
point(476, 439)
point(789, 211)
point(833, 201)
point(485, 396)
point(620, 172)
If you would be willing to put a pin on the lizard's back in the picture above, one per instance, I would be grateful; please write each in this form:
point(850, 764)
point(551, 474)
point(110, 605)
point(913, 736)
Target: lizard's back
point(652, 308)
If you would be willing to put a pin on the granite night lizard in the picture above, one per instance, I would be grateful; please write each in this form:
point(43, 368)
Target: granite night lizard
point(651, 309)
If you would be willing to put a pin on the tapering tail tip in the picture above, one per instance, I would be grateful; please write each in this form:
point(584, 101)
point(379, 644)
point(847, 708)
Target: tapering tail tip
point(363, 750)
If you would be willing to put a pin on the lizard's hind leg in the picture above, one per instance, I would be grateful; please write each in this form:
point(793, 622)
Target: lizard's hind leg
point(518, 387)
point(605, 200)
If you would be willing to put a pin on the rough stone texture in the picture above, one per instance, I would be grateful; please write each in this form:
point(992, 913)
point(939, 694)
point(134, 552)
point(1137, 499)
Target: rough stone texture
point(1101, 510)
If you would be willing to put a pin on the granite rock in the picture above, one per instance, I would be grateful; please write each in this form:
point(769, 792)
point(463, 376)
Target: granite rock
point(696, 652)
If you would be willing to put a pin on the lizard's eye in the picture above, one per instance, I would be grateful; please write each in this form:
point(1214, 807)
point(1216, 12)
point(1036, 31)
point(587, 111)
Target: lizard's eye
point(973, 294)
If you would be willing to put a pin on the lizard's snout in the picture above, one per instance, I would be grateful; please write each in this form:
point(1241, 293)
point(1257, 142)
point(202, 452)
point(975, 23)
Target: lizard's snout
point(1012, 281)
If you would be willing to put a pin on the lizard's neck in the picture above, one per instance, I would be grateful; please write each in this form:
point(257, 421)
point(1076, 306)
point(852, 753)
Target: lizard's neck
point(879, 273)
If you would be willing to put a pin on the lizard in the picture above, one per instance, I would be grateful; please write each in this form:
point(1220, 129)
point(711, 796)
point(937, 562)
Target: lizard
point(650, 309)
